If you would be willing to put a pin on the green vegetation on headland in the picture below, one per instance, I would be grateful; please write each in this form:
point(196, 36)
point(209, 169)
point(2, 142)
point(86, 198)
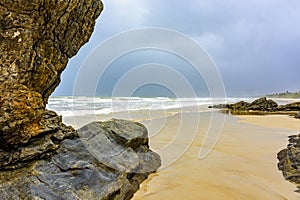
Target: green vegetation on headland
point(287, 94)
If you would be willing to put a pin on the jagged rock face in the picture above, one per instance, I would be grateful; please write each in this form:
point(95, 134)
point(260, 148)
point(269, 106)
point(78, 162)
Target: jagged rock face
point(36, 40)
point(40, 146)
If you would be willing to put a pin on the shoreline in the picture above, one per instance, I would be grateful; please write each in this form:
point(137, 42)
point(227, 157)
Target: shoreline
point(277, 121)
point(78, 121)
point(271, 133)
point(233, 170)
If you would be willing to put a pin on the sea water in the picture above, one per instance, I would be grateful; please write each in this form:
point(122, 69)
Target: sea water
point(68, 106)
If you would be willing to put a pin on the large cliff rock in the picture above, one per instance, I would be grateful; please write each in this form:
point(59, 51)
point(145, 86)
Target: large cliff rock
point(36, 40)
point(40, 157)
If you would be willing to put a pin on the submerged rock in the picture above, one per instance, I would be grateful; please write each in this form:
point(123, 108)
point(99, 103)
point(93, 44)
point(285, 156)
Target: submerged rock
point(107, 160)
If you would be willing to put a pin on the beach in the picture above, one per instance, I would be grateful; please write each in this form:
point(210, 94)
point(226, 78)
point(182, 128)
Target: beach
point(241, 165)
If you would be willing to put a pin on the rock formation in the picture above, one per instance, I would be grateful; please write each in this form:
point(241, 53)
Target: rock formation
point(260, 106)
point(108, 160)
point(38, 147)
point(36, 40)
point(290, 107)
point(40, 157)
point(289, 160)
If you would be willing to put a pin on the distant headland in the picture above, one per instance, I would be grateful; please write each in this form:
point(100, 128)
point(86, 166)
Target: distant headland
point(286, 94)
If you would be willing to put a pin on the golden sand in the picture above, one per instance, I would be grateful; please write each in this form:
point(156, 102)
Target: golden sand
point(242, 165)
point(272, 121)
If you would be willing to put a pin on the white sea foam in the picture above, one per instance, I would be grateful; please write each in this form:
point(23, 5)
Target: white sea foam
point(81, 105)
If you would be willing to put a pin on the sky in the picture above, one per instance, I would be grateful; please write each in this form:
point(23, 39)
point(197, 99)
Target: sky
point(253, 47)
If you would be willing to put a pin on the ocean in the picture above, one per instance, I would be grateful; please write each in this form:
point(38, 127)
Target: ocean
point(69, 106)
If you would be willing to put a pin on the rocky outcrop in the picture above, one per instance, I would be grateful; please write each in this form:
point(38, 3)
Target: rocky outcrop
point(40, 146)
point(260, 106)
point(104, 160)
point(290, 107)
point(40, 157)
point(289, 160)
point(297, 115)
point(36, 40)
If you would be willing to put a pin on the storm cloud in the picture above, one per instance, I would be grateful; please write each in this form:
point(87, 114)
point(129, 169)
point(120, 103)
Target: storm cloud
point(255, 44)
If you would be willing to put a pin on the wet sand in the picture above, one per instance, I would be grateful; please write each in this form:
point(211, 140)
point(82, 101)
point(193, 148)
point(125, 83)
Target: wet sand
point(242, 165)
point(272, 121)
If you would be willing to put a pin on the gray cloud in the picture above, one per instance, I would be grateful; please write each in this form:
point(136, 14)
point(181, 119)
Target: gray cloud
point(255, 44)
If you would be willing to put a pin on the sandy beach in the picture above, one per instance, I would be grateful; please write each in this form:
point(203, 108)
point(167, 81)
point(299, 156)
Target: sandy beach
point(242, 165)
point(136, 99)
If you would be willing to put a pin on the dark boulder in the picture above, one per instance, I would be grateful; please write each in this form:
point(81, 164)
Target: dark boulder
point(108, 160)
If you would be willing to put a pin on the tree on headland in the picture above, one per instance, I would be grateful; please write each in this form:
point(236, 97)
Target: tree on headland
point(286, 94)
